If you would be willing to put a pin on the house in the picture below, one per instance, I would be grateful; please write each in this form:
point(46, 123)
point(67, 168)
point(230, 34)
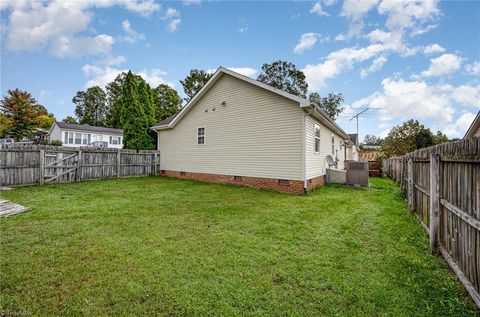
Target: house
point(474, 129)
point(240, 131)
point(75, 135)
point(352, 151)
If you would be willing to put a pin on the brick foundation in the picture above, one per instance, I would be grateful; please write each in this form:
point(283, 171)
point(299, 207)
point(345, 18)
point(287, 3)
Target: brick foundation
point(316, 182)
point(293, 186)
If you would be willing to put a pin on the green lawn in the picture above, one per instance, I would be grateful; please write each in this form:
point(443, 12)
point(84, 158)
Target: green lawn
point(158, 246)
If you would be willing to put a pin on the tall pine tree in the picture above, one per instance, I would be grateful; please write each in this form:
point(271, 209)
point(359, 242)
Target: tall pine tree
point(136, 114)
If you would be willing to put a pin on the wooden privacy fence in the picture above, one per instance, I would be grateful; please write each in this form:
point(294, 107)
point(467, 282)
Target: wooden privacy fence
point(39, 164)
point(442, 185)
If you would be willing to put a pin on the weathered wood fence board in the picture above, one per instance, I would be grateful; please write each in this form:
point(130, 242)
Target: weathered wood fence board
point(442, 184)
point(37, 164)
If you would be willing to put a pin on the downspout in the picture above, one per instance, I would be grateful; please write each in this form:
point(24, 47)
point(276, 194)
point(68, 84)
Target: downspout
point(305, 148)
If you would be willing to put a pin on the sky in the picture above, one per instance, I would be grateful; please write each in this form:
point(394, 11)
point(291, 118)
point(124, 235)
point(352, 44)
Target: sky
point(403, 59)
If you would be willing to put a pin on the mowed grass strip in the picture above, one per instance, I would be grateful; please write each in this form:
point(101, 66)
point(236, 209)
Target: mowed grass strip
point(159, 246)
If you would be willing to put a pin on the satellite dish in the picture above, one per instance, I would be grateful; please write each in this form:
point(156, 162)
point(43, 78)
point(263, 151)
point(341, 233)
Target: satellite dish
point(330, 161)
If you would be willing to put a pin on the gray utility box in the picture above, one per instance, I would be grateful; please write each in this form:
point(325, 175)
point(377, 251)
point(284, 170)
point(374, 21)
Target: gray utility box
point(357, 173)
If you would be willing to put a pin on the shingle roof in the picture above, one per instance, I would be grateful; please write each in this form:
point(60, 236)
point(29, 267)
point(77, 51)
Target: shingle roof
point(167, 120)
point(86, 127)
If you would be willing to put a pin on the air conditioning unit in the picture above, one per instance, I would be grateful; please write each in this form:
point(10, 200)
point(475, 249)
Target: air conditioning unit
point(357, 173)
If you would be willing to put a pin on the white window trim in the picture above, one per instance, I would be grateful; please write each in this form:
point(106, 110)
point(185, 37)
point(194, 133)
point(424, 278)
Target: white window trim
point(315, 126)
point(204, 135)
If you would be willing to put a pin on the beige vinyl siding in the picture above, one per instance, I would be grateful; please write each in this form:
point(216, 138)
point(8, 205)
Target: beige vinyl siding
point(258, 133)
point(316, 162)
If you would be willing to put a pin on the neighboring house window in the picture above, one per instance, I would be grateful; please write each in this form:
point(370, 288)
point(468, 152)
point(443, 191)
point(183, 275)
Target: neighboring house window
point(89, 137)
point(84, 138)
point(333, 144)
point(70, 137)
point(201, 135)
point(113, 140)
point(66, 138)
point(78, 138)
point(317, 138)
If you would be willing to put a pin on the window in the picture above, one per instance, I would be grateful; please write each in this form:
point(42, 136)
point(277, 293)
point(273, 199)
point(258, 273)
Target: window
point(78, 138)
point(119, 140)
point(201, 135)
point(110, 140)
point(317, 138)
point(65, 138)
point(70, 137)
point(333, 144)
point(89, 137)
point(84, 139)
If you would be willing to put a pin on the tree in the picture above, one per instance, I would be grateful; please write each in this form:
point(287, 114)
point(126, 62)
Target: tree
point(284, 76)
point(332, 105)
point(135, 118)
point(114, 103)
point(44, 121)
point(408, 137)
point(372, 140)
point(70, 119)
point(440, 138)
point(194, 82)
point(167, 102)
point(6, 124)
point(19, 107)
point(91, 106)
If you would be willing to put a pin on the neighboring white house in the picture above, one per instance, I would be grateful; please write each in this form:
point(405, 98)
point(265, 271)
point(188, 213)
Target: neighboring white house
point(474, 129)
point(75, 135)
point(352, 151)
point(238, 130)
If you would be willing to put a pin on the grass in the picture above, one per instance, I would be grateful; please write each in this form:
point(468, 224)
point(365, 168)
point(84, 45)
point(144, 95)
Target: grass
point(158, 246)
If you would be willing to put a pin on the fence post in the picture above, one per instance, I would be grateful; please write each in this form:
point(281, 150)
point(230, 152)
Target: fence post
point(410, 193)
point(42, 166)
point(434, 201)
point(118, 162)
point(79, 166)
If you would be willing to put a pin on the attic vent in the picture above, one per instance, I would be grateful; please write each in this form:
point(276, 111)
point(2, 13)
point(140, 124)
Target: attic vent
point(284, 182)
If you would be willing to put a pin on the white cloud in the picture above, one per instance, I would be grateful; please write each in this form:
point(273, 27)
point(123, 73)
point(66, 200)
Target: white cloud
point(460, 126)
point(172, 18)
point(406, 13)
point(243, 29)
point(317, 8)
point(443, 65)
point(35, 25)
point(432, 49)
point(474, 68)
point(191, 2)
point(422, 30)
point(306, 42)
point(132, 36)
point(339, 61)
point(412, 99)
point(101, 76)
point(329, 2)
point(245, 71)
point(65, 46)
point(142, 7)
point(356, 9)
point(354, 31)
point(376, 65)
point(405, 100)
